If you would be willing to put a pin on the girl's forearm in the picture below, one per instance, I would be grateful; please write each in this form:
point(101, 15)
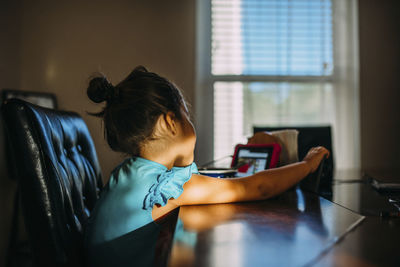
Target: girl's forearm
point(272, 182)
point(208, 190)
point(202, 189)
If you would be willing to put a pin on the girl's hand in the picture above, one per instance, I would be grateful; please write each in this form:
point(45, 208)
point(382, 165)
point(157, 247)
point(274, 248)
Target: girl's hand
point(315, 156)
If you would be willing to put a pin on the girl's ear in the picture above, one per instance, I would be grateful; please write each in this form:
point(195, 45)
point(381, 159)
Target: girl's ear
point(169, 120)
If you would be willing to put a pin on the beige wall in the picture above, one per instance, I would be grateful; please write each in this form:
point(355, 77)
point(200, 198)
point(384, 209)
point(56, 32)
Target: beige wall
point(64, 42)
point(379, 30)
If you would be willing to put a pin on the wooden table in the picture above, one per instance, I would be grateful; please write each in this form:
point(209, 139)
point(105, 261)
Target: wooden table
point(295, 229)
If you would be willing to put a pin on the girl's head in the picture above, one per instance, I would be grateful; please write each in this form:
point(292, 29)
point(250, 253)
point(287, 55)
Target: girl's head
point(139, 109)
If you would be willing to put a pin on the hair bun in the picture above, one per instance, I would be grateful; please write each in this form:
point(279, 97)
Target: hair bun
point(100, 89)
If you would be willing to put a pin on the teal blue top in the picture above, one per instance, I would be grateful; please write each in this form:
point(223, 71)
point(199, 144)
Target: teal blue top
point(126, 202)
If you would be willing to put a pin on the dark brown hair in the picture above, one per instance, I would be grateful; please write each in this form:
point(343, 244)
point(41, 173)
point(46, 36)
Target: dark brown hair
point(133, 107)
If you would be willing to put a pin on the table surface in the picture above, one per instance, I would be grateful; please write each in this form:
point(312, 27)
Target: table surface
point(297, 228)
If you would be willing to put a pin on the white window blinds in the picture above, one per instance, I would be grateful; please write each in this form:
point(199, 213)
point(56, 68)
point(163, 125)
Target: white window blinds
point(272, 37)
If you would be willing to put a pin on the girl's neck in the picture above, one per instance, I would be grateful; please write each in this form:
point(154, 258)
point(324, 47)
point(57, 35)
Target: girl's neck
point(174, 145)
point(162, 152)
point(167, 156)
point(162, 158)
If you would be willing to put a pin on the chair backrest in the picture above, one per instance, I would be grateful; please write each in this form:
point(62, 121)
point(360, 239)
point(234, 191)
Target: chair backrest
point(311, 136)
point(59, 178)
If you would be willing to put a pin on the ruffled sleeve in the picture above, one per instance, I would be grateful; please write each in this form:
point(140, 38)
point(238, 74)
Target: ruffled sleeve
point(169, 184)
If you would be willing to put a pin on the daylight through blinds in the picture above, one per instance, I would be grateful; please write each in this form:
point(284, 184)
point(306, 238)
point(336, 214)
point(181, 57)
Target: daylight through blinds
point(272, 37)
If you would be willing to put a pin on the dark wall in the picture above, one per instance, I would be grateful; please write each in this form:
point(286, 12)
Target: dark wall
point(379, 31)
point(10, 24)
point(9, 78)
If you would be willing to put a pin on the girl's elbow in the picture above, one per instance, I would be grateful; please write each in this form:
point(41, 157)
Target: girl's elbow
point(266, 190)
point(259, 191)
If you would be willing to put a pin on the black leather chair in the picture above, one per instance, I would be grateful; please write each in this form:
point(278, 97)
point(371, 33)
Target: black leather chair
point(59, 179)
point(311, 136)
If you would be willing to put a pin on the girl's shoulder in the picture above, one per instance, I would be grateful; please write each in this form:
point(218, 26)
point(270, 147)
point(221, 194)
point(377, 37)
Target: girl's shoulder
point(150, 180)
point(169, 184)
point(148, 166)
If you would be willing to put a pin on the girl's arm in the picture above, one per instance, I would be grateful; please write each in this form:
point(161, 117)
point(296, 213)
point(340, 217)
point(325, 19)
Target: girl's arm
point(202, 189)
point(262, 185)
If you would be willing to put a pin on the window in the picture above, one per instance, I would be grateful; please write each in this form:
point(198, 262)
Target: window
point(272, 37)
point(274, 62)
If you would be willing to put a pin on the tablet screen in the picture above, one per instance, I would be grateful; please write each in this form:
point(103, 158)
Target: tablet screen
point(250, 159)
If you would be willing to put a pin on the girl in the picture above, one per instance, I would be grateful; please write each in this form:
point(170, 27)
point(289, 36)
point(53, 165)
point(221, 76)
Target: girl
point(146, 117)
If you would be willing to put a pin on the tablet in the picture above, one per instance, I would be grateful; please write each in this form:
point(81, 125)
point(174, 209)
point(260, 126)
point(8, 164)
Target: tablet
point(250, 159)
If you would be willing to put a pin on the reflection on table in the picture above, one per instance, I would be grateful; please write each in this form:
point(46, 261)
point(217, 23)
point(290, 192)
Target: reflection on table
point(293, 229)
